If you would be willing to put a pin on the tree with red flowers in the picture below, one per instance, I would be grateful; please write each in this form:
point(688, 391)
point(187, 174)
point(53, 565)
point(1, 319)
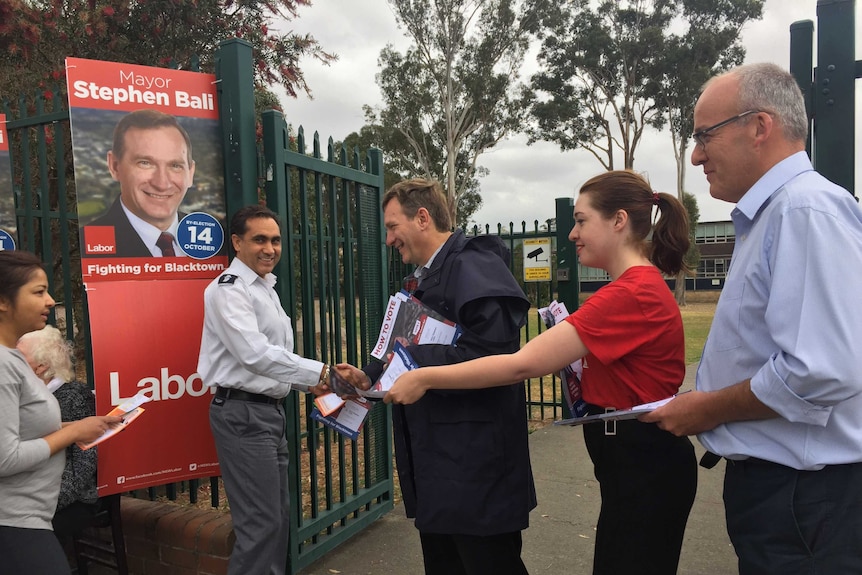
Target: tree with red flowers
point(37, 35)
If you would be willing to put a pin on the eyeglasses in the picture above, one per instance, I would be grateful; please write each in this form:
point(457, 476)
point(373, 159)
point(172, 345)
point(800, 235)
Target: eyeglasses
point(698, 137)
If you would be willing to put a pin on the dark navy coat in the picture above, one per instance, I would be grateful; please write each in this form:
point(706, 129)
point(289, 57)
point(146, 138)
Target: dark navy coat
point(462, 456)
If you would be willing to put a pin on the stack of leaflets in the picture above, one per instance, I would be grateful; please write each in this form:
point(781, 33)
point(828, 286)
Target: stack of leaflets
point(571, 374)
point(617, 415)
point(129, 410)
point(406, 321)
point(347, 416)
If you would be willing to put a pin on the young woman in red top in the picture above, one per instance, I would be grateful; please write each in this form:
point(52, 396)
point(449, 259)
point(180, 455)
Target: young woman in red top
point(630, 335)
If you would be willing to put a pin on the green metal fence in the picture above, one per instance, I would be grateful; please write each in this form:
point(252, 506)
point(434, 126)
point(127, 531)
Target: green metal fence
point(334, 266)
point(40, 150)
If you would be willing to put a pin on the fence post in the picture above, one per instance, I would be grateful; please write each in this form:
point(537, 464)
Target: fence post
point(802, 68)
point(833, 94)
point(234, 73)
point(567, 260)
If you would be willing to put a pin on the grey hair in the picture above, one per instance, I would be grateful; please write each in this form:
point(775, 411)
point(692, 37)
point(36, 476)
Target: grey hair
point(48, 347)
point(767, 87)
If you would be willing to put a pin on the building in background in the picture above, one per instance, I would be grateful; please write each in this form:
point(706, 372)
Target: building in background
point(715, 241)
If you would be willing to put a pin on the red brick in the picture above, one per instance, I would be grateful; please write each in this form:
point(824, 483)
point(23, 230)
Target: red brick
point(179, 557)
point(142, 516)
point(142, 548)
point(136, 564)
point(153, 567)
point(217, 537)
point(189, 536)
point(212, 565)
point(222, 540)
point(166, 525)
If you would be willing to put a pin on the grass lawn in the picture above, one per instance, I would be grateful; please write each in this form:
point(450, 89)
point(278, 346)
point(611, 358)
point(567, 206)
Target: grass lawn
point(696, 319)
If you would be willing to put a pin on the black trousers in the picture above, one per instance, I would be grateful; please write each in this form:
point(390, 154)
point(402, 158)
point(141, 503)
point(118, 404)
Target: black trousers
point(788, 522)
point(472, 554)
point(31, 552)
point(648, 480)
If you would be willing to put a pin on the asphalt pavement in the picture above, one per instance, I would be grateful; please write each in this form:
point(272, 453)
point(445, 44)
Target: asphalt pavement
point(562, 528)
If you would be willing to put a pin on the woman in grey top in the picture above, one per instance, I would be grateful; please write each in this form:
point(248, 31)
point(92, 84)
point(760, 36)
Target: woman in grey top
point(32, 438)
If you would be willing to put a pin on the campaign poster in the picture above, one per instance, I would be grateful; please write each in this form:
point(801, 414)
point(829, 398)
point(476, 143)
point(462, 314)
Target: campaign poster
point(150, 191)
point(8, 223)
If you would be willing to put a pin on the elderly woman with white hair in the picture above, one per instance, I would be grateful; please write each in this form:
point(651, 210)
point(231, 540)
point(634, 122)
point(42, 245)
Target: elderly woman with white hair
point(49, 355)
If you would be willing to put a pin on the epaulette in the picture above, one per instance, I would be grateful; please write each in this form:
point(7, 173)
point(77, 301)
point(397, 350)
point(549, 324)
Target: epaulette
point(227, 279)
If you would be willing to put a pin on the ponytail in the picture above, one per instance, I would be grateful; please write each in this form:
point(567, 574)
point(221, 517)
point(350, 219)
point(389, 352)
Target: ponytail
point(629, 191)
point(670, 237)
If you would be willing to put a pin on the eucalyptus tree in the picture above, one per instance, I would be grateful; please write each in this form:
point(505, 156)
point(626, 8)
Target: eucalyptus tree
point(596, 62)
point(454, 93)
point(709, 45)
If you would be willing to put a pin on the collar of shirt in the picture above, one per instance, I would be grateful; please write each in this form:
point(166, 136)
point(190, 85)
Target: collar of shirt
point(249, 276)
point(422, 270)
point(150, 234)
point(746, 210)
point(55, 384)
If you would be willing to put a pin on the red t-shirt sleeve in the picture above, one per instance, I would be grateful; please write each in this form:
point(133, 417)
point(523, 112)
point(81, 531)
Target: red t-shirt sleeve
point(611, 324)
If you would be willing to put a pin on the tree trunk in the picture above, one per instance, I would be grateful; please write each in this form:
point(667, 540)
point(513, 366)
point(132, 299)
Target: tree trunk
point(679, 289)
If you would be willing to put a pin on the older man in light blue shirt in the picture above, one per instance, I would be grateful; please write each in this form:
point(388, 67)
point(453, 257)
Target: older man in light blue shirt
point(778, 388)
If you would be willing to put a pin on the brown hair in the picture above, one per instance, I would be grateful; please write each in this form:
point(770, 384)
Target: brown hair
point(239, 221)
point(628, 191)
point(16, 269)
point(420, 193)
point(147, 120)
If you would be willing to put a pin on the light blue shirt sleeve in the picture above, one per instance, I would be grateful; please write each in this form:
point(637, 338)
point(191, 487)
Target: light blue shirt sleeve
point(813, 322)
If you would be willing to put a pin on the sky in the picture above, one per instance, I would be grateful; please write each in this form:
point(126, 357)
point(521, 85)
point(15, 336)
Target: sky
point(524, 180)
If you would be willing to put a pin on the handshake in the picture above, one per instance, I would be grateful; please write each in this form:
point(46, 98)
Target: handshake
point(348, 382)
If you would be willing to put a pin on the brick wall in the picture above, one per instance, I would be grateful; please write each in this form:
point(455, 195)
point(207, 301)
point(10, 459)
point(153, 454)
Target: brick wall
point(164, 539)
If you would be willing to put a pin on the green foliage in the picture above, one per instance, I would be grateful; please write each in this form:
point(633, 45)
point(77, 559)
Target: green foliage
point(596, 61)
point(37, 35)
point(709, 46)
point(692, 256)
point(611, 69)
point(452, 95)
point(369, 136)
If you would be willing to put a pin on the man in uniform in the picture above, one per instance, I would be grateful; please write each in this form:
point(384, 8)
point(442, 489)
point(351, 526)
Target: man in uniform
point(247, 354)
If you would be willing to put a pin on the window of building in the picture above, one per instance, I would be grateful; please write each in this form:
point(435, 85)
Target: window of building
point(713, 267)
point(714, 233)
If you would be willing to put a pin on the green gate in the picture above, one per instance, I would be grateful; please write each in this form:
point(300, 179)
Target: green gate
point(333, 259)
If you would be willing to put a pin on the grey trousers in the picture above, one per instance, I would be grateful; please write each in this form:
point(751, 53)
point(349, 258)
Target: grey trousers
point(253, 456)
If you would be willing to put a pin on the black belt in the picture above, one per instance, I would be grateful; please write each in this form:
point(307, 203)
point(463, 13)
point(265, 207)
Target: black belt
point(710, 459)
point(231, 393)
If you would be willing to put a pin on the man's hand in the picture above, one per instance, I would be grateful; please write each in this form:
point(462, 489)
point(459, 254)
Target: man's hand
point(408, 388)
point(687, 414)
point(347, 374)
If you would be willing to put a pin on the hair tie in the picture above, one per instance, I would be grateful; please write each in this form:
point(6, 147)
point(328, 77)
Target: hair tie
point(655, 198)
